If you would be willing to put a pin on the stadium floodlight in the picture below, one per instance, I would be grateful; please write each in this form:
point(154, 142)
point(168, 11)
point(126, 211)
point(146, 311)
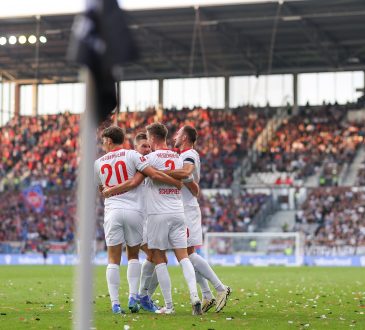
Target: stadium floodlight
point(43, 39)
point(12, 40)
point(2, 41)
point(22, 40)
point(32, 39)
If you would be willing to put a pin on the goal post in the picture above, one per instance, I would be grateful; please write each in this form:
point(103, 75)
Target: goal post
point(257, 249)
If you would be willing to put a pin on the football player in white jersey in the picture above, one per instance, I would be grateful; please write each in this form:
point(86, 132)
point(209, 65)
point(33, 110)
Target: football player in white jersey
point(171, 232)
point(148, 283)
point(142, 146)
point(166, 226)
point(185, 140)
point(123, 216)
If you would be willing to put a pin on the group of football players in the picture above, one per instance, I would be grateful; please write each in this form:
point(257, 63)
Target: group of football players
point(151, 205)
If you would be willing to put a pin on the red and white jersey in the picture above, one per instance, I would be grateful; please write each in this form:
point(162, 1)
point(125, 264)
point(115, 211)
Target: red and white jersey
point(191, 156)
point(116, 167)
point(163, 198)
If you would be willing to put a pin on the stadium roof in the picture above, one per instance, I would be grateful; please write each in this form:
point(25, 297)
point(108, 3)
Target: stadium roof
point(310, 36)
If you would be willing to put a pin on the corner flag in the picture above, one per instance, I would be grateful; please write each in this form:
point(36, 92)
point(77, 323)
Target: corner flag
point(102, 41)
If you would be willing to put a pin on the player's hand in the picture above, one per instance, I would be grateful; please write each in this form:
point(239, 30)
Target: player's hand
point(107, 192)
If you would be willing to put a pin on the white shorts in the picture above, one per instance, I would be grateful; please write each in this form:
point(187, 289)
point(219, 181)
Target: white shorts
point(144, 240)
point(123, 227)
point(193, 220)
point(166, 231)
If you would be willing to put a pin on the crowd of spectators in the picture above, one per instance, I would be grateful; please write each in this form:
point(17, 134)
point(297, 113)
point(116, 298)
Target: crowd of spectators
point(224, 136)
point(310, 139)
point(17, 137)
point(44, 149)
point(40, 148)
point(20, 222)
point(228, 213)
point(337, 215)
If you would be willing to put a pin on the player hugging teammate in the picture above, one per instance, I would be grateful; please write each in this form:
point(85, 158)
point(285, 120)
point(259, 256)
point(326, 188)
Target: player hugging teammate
point(151, 203)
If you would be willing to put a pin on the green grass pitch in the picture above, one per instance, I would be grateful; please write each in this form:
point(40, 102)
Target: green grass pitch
point(40, 297)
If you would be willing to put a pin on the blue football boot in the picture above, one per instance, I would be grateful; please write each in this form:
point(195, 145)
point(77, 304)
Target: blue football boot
point(133, 305)
point(116, 309)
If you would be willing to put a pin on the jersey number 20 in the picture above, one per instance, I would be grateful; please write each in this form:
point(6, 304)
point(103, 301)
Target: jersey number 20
point(109, 169)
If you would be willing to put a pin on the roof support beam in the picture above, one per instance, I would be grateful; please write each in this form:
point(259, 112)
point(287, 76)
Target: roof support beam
point(154, 44)
point(313, 34)
point(223, 29)
point(174, 44)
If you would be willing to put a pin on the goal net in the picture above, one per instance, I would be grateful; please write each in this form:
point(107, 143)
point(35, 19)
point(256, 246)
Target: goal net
point(257, 249)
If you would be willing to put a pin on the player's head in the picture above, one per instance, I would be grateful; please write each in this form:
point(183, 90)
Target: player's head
point(141, 144)
point(156, 134)
point(186, 136)
point(112, 136)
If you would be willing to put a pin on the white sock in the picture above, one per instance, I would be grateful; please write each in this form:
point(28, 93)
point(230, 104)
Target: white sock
point(133, 276)
point(189, 275)
point(153, 285)
point(165, 283)
point(113, 281)
point(146, 274)
point(204, 286)
point(206, 271)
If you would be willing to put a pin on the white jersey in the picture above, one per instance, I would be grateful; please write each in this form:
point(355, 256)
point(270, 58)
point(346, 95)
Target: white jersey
point(144, 195)
point(163, 198)
point(191, 156)
point(116, 167)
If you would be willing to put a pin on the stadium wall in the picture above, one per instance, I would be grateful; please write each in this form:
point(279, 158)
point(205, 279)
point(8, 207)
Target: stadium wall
point(222, 260)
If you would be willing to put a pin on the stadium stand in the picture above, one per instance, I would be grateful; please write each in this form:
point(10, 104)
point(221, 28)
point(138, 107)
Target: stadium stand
point(227, 213)
point(40, 149)
point(333, 220)
point(43, 150)
point(224, 137)
point(317, 139)
point(56, 223)
point(53, 139)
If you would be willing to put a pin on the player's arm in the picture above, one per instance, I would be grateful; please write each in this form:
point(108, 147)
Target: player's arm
point(193, 187)
point(160, 176)
point(125, 186)
point(182, 173)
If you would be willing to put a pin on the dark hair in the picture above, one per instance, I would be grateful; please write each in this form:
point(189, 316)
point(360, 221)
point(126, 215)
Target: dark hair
point(140, 136)
point(158, 130)
point(191, 133)
point(115, 133)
